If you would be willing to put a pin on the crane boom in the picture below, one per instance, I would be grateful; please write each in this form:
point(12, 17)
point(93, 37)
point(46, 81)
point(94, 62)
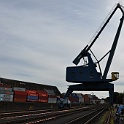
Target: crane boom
point(87, 48)
point(87, 75)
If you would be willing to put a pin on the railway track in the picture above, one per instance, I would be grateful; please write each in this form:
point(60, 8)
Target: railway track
point(65, 116)
point(108, 117)
point(81, 117)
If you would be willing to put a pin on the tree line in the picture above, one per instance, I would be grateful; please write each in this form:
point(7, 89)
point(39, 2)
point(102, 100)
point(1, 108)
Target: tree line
point(118, 98)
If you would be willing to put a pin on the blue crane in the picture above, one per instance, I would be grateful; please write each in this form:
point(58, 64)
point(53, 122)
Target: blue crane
point(87, 75)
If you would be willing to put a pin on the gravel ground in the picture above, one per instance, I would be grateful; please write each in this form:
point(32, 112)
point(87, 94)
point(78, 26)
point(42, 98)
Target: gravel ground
point(101, 120)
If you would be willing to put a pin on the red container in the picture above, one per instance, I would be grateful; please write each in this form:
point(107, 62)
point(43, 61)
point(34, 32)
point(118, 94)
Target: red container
point(31, 91)
point(73, 99)
point(32, 94)
point(43, 99)
point(42, 93)
point(20, 96)
point(86, 99)
point(16, 99)
point(20, 92)
point(43, 96)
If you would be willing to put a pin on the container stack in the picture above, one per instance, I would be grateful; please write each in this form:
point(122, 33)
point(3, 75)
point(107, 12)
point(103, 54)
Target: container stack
point(52, 98)
point(86, 99)
point(81, 98)
point(20, 94)
point(32, 95)
point(6, 94)
point(5, 85)
point(43, 96)
point(74, 98)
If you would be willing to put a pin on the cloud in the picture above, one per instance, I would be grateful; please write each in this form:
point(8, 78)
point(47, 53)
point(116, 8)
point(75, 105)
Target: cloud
point(39, 39)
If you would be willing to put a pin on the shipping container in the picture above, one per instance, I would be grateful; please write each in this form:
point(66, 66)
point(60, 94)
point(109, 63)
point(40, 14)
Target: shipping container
point(6, 99)
point(50, 92)
point(42, 91)
point(6, 92)
point(86, 99)
point(43, 96)
point(52, 99)
point(20, 93)
point(43, 99)
point(74, 99)
point(6, 96)
point(32, 94)
point(5, 89)
point(17, 99)
point(81, 98)
point(73, 94)
point(32, 98)
point(31, 91)
point(52, 96)
point(19, 89)
point(20, 96)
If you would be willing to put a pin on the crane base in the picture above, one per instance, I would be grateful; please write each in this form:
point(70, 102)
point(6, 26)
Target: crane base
point(92, 87)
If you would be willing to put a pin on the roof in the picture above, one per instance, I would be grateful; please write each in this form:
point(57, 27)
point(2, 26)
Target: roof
point(29, 85)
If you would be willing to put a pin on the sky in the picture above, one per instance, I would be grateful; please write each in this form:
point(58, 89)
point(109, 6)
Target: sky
point(40, 38)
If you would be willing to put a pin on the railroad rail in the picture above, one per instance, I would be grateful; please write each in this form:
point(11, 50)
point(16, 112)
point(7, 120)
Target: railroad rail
point(81, 117)
point(108, 117)
point(65, 116)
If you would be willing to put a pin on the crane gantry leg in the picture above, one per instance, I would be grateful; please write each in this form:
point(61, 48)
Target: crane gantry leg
point(92, 87)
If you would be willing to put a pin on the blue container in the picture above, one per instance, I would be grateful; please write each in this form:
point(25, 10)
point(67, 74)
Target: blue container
point(32, 97)
point(74, 95)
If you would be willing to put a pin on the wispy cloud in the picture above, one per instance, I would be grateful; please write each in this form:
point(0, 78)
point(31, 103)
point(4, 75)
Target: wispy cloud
point(39, 39)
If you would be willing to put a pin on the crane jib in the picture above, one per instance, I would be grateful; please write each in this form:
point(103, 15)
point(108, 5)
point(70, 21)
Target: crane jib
point(87, 48)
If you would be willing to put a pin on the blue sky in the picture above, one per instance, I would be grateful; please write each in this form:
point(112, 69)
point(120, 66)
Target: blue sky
point(40, 38)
